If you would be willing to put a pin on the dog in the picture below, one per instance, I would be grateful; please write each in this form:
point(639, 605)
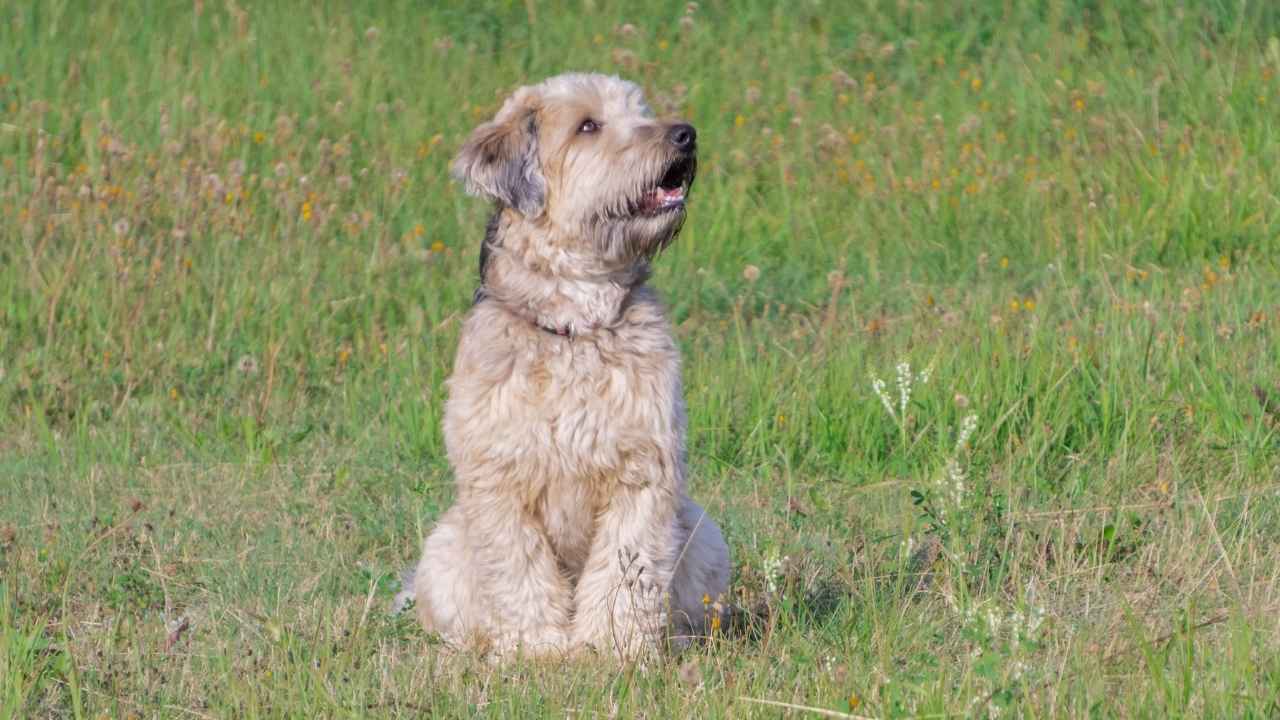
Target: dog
point(572, 528)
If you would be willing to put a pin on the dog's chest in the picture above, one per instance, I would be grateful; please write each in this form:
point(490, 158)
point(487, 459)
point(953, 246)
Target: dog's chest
point(583, 409)
point(562, 424)
point(600, 405)
point(609, 417)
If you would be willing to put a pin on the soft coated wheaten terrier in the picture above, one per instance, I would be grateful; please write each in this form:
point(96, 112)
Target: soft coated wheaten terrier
point(565, 423)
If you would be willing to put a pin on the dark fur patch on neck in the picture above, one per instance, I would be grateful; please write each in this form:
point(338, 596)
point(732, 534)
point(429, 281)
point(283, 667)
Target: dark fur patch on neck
point(486, 247)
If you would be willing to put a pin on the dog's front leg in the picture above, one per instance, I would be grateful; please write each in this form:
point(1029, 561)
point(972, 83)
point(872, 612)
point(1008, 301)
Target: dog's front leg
point(621, 599)
point(515, 571)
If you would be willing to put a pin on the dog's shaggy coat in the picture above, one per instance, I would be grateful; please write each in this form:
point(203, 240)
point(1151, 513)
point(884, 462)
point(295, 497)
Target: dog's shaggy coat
point(565, 423)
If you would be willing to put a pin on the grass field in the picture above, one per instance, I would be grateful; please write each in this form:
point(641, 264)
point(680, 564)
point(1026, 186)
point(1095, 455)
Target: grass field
point(232, 266)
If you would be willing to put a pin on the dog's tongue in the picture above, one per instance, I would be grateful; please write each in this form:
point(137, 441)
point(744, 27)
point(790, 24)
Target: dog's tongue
point(660, 198)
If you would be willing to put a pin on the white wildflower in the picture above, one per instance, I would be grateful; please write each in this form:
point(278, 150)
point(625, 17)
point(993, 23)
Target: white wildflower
point(994, 621)
point(956, 482)
point(904, 386)
point(773, 570)
point(923, 376)
point(878, 385)
point(967, 426)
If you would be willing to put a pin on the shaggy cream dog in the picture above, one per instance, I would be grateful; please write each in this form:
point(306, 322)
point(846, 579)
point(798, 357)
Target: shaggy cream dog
point(565, 424)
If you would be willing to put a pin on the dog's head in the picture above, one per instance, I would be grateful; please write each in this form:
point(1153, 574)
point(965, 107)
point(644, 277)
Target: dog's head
point(583, 157)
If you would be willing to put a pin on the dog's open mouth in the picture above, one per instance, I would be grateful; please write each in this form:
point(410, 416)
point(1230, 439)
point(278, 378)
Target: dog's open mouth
point(671, 189)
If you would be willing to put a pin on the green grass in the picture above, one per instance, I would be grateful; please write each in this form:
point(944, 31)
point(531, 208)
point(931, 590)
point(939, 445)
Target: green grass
point(220, 383)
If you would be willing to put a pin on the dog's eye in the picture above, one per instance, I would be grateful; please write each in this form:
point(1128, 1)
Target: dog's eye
point(589, 126)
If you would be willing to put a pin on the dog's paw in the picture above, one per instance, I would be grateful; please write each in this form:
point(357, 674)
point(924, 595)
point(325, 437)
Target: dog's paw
point(404, 599)
point(545, 642)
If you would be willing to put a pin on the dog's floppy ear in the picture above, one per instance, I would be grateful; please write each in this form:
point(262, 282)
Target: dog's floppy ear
point(500, 158)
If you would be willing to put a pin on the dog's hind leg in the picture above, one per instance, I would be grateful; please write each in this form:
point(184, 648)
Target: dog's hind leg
point(700, 584)
point(442, 587)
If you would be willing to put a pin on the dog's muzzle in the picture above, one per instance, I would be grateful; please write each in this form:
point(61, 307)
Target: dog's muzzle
point(673, 186)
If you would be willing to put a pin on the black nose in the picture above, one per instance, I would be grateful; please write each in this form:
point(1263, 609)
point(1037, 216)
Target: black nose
point(683, 136)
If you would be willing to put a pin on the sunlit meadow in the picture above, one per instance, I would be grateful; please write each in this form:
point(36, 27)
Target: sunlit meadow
point(980, 312)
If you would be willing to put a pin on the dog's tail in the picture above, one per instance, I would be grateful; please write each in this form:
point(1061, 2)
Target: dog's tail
point(405, 597)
